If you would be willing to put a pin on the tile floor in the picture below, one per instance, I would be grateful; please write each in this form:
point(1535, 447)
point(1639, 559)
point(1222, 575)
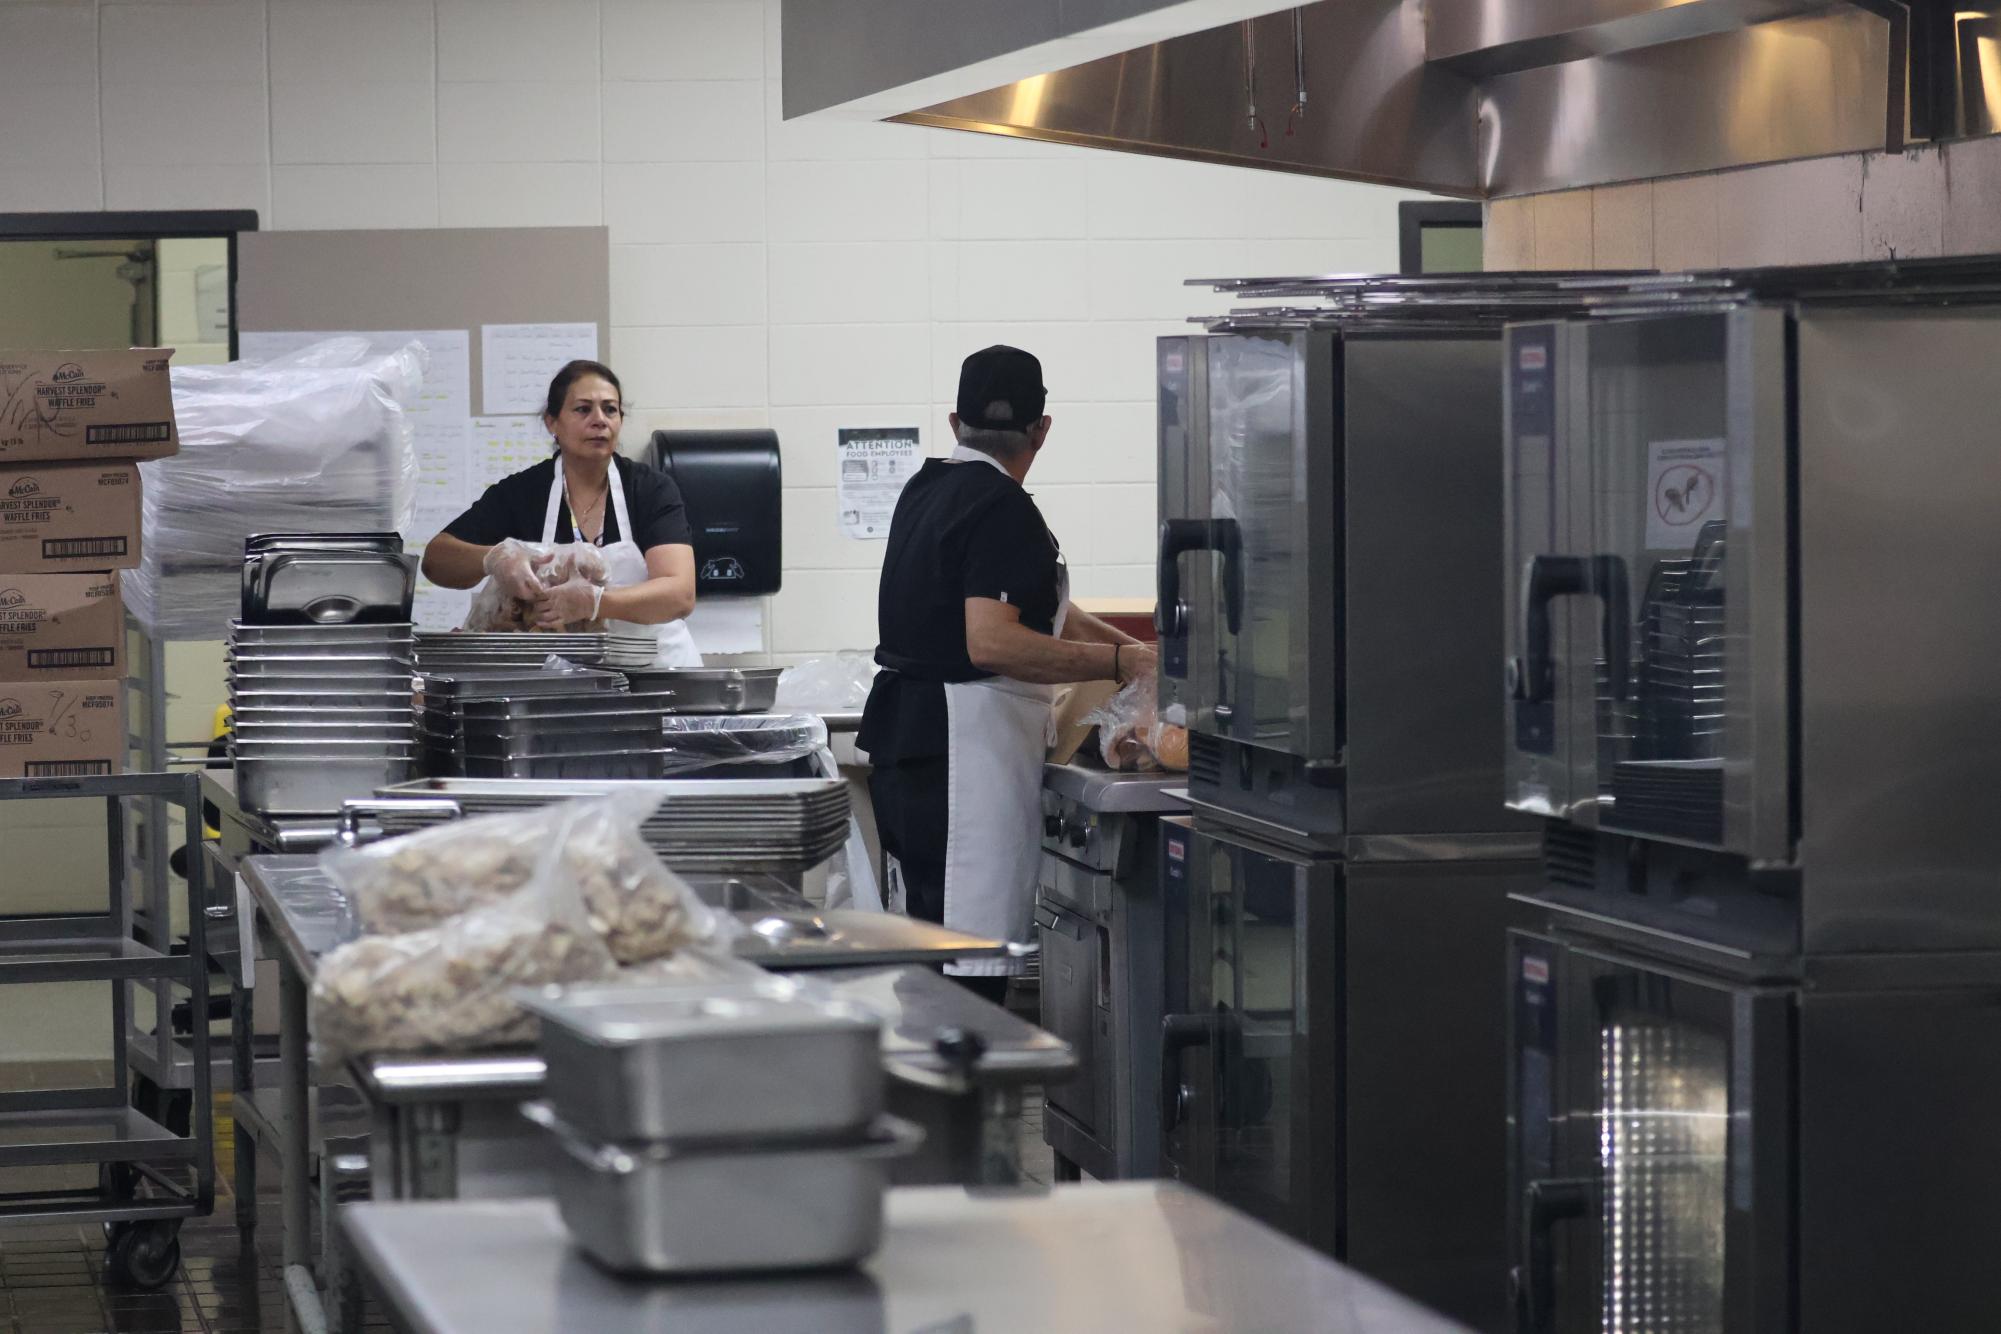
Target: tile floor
point(52, 1276)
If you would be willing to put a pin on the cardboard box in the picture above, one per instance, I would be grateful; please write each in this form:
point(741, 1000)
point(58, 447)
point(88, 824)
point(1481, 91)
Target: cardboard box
point(86, 405)
point(61, 627)
point(69, 516)
point(61, 729)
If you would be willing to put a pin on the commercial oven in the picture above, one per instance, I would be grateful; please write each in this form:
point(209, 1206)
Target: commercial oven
point(1749, 685)
point(1330, 1056)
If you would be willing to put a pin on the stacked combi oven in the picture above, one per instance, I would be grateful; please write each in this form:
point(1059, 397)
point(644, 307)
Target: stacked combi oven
point(1330, 488)
point(1752, 685)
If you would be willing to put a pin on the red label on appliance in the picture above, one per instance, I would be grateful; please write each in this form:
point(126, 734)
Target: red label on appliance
point(1175, 850)
point(1533, 357)
point(1535, 970)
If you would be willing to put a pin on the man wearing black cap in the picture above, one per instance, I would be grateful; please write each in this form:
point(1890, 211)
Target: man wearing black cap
point(976, 627)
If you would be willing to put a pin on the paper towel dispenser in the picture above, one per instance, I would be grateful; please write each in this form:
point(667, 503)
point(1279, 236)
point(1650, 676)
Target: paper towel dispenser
point(732, 485)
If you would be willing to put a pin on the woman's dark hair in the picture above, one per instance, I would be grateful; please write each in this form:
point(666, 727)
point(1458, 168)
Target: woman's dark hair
point(559, 388)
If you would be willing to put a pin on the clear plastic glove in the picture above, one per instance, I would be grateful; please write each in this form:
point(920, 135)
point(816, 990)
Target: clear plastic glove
point(573, 560)
point(572, 602)
point(511, 566)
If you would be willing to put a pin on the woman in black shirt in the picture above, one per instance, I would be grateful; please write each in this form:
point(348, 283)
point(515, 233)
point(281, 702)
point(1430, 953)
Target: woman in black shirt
point(632, 513)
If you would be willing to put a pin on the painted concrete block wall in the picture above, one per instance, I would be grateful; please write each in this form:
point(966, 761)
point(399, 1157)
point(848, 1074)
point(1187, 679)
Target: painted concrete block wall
point(801, 276)
point(1942, 200)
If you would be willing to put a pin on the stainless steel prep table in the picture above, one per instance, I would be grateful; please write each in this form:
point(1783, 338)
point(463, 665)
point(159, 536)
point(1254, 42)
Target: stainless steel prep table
point(1126, 1255)
point(420, 1104)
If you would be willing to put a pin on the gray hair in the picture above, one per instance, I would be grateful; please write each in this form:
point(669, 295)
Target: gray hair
point(1000, 444)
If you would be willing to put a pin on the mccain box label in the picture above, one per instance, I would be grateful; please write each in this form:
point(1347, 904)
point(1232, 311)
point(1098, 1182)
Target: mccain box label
point(111, 404)
point(61, 730)
point(69, 516)
point(61, 626)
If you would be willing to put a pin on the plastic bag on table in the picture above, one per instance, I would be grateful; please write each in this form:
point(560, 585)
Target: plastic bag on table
point(699, 741)
point(1122, 722)
point(1168, 738)
point(448, 987)
point(828, 685)
point(639, 908)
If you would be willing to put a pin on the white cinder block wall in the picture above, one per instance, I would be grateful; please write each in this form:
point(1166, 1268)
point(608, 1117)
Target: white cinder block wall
point(802, 276)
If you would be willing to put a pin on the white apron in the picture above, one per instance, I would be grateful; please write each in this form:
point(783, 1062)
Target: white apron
point(999, 736)
point(625, 565)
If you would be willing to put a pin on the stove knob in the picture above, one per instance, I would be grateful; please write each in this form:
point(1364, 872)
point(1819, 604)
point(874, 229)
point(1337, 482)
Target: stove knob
point(1052, 826)
point(1079, 835)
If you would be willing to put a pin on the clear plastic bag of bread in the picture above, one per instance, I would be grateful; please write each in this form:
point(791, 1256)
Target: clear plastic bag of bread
point(632, 901)
point(1132, 737)
point(449, 987)
point(519, 571)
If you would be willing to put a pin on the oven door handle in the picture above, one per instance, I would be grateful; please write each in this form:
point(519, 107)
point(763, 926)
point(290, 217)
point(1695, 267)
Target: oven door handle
point(1552, 577)
point(1545, 1204)
point(1178, 1032)
point(1178, 537)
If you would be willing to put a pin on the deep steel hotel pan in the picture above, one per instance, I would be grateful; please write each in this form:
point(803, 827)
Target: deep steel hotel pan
point(713, 689)
point(655, 1209)
point(765, 1058)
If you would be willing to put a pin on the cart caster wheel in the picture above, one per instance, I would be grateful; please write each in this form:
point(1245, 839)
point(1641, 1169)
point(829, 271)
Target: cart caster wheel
point(143, 1255)
point(118, 1181)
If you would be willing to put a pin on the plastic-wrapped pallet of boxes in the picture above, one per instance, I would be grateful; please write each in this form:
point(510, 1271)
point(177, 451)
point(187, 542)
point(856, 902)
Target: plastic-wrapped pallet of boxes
point(315, 441)
point(73, 427)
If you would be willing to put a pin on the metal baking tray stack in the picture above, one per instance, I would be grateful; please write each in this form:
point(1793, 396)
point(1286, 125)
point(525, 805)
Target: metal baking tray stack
point(319, 713)
point(736, 1127)
point(774, 826)
point(320, 670)
point(462, 650)
point(473, 711)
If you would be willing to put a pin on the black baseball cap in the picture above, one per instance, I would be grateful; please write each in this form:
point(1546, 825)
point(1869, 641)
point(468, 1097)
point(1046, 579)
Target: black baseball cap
point(1000, 389)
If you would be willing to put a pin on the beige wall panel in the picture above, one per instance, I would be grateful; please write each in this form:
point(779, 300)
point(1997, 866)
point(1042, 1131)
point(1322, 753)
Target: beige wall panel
point(1790, 213)
point(1973, 197)
point(1622, 226)
point(1903, 204)
point(1509, 236)
point(1563, 230)
point(1685, 223)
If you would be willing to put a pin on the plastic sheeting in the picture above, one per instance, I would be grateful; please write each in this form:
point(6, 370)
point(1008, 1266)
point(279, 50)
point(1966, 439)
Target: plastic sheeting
point(315, 441)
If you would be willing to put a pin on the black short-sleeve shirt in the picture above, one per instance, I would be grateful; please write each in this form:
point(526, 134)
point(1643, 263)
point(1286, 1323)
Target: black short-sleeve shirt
point(961, 530)
point(515, 506)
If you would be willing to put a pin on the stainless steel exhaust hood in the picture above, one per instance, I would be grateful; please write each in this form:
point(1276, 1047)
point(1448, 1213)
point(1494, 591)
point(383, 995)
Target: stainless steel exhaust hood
point(1475, 98)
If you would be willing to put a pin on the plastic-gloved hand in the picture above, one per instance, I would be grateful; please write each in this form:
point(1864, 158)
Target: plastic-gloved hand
point(511, 567)
point(573, 602)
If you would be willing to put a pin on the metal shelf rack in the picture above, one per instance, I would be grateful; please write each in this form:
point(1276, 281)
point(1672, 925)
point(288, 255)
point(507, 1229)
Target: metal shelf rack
point(149, 1176)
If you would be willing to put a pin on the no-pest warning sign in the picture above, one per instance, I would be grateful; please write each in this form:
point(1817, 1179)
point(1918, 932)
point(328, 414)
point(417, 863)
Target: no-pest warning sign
point(1685, 483)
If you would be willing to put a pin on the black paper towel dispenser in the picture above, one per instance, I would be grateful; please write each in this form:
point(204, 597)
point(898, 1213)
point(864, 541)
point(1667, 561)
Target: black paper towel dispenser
point(735, 496)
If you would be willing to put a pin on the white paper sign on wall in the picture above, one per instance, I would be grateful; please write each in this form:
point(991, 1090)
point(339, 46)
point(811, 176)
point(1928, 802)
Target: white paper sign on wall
point(1686, 486)
point(872, 468)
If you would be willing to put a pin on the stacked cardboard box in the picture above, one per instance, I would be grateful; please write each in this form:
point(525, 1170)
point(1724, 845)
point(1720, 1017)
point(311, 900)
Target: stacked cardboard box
point(72, 427)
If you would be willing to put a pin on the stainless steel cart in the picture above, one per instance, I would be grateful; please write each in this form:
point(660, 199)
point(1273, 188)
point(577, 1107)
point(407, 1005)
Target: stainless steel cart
point(149, 1176)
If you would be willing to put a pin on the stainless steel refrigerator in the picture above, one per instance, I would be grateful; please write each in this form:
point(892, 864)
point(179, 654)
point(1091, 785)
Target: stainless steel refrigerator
point(1751, 686)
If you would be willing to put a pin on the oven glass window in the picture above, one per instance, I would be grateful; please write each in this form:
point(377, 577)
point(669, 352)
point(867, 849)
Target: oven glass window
point(1663, 1117)
point(1256, 474)
point(1660, 513)
point(1254, 988)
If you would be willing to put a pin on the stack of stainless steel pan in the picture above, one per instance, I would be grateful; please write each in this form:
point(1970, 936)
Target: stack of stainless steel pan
point(320, 714)
point(463, 650)
point(525, 724)
point(327, 579)
point(712, 689)
point(320, 670)
point(738, 1128)
point(776, 826)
